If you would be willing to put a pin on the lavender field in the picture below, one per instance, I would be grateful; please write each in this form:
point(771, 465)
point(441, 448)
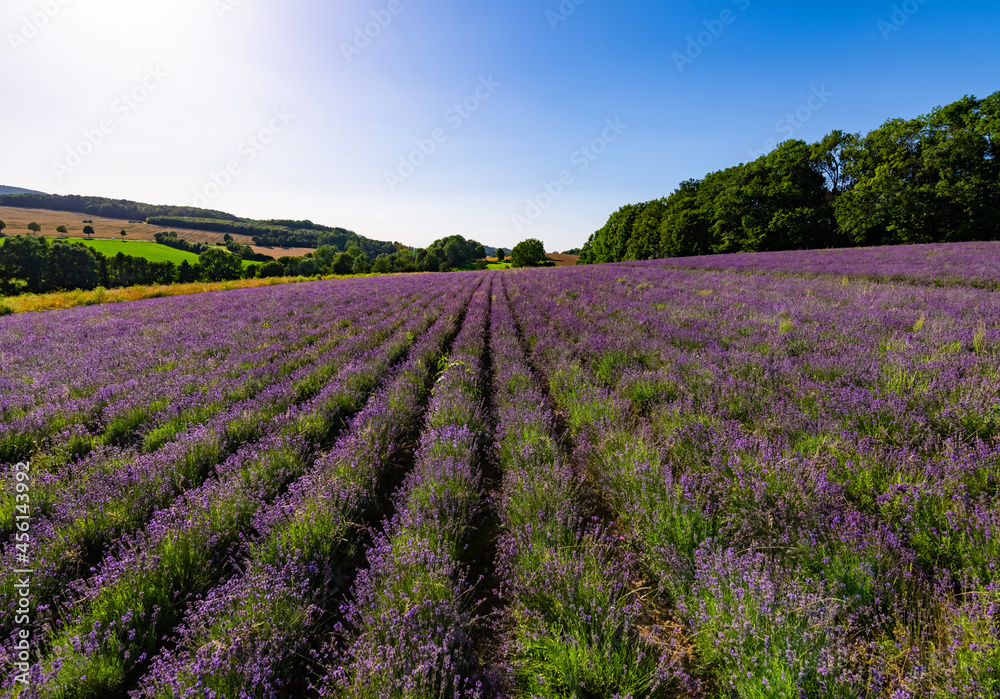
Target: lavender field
point(626, 480)
point(974, 264)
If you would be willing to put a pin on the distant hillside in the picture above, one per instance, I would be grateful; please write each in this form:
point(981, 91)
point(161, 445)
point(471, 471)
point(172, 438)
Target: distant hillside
point(102, 206)
point(4, 189)
point(272, 233)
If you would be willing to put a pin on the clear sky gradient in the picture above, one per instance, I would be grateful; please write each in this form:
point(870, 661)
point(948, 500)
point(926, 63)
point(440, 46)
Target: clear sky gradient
point(410, 120)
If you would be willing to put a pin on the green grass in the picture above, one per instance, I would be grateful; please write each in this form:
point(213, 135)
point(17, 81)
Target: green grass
point(154, 252)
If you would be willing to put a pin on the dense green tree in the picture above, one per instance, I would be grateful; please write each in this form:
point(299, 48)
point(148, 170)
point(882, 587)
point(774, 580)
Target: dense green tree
point(33, 227)
point(72, 266)
point(23, 260)
point(218, 264)
point(307, 267)
point(454, 253)
point(2, 226)
point(610, 244)
point(186, 273)
point(360, 264)
point(528, 253)
point(325, 256)
point(777, 202)
point(432, 263)
point(62, 229)
point(343, 264)
point(501, 255)
point(831, 159)
point(935, 178)
point(644, 241)
point(271, 269)
point(686, 226)
point(88, 231)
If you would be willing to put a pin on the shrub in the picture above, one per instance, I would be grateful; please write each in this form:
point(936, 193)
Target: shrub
point(270, 269)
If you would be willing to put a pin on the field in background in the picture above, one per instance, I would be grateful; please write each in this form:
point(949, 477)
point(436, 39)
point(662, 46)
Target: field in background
point(564, 260)
point(154, 252)
point(17, 221)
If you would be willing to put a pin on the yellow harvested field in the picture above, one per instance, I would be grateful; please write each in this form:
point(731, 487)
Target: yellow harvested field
point(17, 221)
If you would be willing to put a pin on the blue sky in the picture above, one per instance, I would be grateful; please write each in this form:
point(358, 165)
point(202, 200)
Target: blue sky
point(410, 120)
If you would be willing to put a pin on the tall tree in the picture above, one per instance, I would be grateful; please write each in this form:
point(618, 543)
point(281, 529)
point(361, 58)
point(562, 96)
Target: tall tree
point(644, 243)
point(777, 202)
point(24, 258)
point(830, 156)
point(686, 226)
point(528, 253)
point(217, 265)
point(72, 266)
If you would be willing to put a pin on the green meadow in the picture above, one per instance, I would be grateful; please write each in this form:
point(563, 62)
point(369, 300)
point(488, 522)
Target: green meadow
point(154, 252)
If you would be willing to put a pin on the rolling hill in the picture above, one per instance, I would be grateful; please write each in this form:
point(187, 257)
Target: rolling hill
point(4, 189)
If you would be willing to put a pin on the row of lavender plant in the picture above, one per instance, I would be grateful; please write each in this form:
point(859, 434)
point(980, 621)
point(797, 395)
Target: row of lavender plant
point(122, 493)
point(766, 500)
point(121, 614)
point(71, 371)
point(971, 264)
point(412, 619)
point(255, 635)
point(573, 614)
point(57, 474)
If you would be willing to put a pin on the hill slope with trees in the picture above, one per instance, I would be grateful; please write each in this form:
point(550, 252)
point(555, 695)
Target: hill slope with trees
point(932, 179)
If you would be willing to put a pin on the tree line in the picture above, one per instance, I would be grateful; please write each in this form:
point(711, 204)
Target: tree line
point(443, 255)
point(935, 178)
point(286, 234)
point(30, 264)
point(34, 265)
